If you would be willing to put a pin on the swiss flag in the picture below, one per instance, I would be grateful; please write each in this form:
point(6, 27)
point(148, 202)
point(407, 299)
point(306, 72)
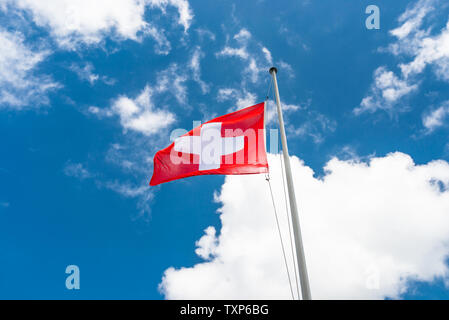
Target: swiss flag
point(230, 144)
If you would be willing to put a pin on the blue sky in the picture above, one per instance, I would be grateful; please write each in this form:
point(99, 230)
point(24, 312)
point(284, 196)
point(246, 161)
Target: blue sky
point(89, 94)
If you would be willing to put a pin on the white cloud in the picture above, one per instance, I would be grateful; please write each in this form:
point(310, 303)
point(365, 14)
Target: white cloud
point(315, 127)
point(73, 23)
point(247, 99)
point(424, 49)
point(173, 80)
point(253, 70)
point(128, 190)
point(140, 115)
point(183, 7)
point(258, 61)
point(292, 38)
point(207, 245)
point(367, 228)
point(99, 112)
point(85, 73)
point(243, 98)
point(386, 90)
point(77, 170)
point(436, 118)
point(141, 192)
point(432, 51)
point(286, 68)
point(234, 52)
point(20, 84)
point(271, 112)
point(412, 18)
point(243, 36)
point(147, 115)
point(267, 54)
point(240, 98)
point(205, 33)
point(226, 94)
point(195, 66)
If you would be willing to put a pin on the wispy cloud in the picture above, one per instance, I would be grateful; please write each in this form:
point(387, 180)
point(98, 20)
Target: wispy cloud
point(21, 85)
point(4, 204)
point(185, 13)
point(195, 66)
point(204, 33)
point(141, 192)
point(316, 127)
point(423, 46)
point(436, 118)
point(86, 72)
point(240, 98)
point(77, 170)
point(257, 58)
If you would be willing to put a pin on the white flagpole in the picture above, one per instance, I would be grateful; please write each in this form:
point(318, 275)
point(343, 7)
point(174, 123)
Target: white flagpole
point(303, 277)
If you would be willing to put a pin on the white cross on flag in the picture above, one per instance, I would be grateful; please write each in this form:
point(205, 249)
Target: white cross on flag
point(230, 144)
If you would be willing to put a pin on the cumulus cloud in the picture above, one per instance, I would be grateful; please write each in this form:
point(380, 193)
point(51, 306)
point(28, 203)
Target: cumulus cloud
point(140, 115)
point(87, 22)
point(207, 244)
point(421, 46)
point(21, 85)
point(386, 90)
point(368, 227)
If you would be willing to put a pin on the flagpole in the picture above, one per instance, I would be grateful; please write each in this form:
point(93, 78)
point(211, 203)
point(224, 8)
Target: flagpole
point(303, 277)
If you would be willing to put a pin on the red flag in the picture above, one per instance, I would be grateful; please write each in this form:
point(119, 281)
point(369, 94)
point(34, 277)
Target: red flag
point(230, 144)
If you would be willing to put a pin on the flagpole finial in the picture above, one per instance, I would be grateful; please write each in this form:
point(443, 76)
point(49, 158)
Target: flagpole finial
point(273, 69)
